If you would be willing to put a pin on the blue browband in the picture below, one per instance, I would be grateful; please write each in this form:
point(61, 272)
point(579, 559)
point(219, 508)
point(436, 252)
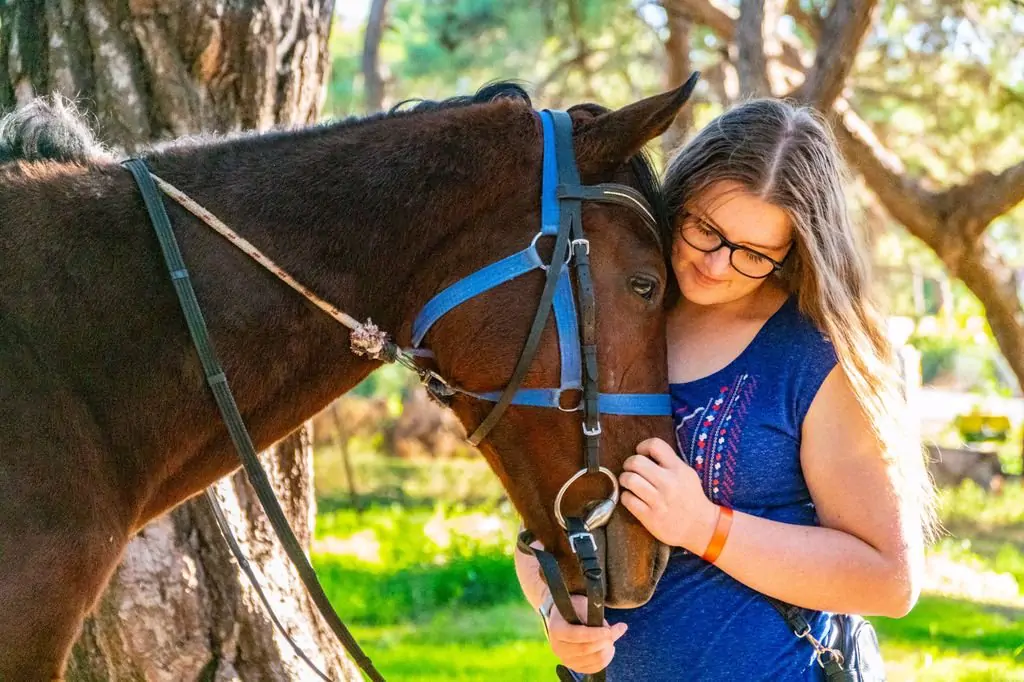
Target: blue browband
point(564, 304)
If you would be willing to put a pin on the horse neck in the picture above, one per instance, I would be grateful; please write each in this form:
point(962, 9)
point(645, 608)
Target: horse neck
point(370, 216)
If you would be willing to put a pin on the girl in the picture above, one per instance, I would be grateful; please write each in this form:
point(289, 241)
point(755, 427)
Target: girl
point(797, 474)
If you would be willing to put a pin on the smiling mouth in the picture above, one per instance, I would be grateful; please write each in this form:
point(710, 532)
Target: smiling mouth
point(701, 276)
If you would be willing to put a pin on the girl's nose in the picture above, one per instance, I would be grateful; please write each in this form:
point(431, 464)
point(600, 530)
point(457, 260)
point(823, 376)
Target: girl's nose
point(717, 263)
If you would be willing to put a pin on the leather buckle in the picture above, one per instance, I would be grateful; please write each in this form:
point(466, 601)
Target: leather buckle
point(584, 535)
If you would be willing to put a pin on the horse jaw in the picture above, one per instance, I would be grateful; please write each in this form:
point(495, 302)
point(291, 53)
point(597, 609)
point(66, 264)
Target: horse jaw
point(635, 562)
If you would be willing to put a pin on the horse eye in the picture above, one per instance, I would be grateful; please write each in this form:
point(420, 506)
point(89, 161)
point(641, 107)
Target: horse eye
point(644, 287)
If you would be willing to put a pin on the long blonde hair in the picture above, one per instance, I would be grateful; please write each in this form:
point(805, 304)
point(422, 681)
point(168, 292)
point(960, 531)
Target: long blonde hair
point(787, 156)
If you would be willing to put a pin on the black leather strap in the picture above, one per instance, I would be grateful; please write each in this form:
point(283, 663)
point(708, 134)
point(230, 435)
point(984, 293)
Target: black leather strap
point(233, 420)
point(540, 319)
point(243, 563)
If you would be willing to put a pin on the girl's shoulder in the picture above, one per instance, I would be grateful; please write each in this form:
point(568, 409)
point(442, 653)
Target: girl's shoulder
point(797, 333)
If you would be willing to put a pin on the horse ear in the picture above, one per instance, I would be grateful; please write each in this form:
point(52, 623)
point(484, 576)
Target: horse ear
point(605, 141)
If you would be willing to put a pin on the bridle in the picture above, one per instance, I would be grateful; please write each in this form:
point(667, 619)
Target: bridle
point(562, 195)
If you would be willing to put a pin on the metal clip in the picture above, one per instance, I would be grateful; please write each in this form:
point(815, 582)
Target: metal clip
point(581, 242)
point(595, 432)
point(820, 650)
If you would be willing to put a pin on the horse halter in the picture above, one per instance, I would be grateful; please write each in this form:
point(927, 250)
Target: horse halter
point(562, 197)
point(561, 212)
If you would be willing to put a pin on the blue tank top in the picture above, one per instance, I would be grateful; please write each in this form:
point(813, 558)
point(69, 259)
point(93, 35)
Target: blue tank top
point(739, 428)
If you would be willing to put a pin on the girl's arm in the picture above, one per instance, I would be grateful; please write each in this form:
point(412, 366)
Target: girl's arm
point(528, 572)
point(866, 557)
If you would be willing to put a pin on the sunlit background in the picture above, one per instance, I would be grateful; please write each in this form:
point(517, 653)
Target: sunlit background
point(939, 87)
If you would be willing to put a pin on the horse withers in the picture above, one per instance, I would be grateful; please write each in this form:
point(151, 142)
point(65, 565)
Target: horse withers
point(105, 417)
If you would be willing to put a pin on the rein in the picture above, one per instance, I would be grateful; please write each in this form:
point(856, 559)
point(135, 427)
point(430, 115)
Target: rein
point(562, 196)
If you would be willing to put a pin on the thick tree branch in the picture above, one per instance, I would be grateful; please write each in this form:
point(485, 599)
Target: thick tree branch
point(985, 197)
point(810, 23)
point(752, 65)
point(706, 13)
point(950, 223)
point(905, 199)
point(841, 36)
point(995, 285)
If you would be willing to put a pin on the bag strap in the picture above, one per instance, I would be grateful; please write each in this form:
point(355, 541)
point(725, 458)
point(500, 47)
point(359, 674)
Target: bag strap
point(831, 660)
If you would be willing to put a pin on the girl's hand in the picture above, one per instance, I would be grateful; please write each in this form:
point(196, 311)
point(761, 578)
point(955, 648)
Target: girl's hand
point(579, 647)
point(667, 496)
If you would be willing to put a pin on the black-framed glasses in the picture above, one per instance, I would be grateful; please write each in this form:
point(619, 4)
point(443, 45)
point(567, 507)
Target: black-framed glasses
point(700, 235)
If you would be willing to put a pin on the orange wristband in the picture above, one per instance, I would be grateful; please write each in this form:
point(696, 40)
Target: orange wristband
point(722, 525)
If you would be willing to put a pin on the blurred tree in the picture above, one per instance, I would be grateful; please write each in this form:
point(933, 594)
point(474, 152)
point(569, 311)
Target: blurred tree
point(940, 81)
point(373, 79)
point(178, 607)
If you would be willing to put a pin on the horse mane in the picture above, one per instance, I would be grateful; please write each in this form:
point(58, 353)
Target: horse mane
point(53, 128)
point(49, 128)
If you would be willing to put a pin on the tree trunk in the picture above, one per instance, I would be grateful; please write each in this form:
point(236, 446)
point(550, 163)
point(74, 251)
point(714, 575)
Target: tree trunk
point(155, 69)
point(178, 608)
point(373, 80)
point(678, 69)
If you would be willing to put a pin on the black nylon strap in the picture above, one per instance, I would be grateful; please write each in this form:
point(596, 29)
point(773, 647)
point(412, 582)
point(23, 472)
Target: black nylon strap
point(233, 420)
point(793, 615)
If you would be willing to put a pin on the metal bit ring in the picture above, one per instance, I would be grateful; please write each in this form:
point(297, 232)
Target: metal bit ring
point(606, 505)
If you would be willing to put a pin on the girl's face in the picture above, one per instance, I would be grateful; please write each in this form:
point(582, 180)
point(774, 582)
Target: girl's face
point(760, 233)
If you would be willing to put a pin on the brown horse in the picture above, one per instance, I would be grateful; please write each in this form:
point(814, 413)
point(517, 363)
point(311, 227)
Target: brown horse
point(105, 417)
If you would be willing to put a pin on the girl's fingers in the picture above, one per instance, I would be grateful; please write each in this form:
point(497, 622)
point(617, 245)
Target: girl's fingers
point(579, 634)
point(646, 467)
point(592, 663)
point(640, 486)
point(660, 451)
point(634, 504)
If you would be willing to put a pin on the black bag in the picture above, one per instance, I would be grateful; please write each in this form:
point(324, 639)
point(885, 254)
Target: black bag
point(851, 652)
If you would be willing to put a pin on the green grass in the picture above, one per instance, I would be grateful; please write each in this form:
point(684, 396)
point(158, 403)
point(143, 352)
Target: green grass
point(958, 627)
point(431, 593)
point(497, 643)
point(394, 564)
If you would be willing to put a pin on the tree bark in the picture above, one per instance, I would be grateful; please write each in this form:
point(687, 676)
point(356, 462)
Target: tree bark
point(156, 69)
point(373, 80)
point(178, 608)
